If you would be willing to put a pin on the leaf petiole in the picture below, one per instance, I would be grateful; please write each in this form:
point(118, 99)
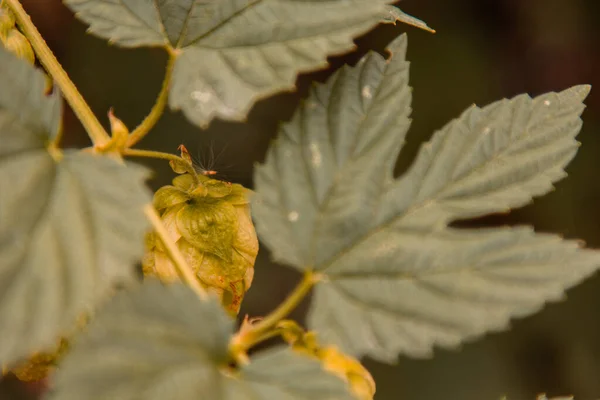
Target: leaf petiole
point(159, 106)
point(162, 156)
point(251, 335)
point(91, 124)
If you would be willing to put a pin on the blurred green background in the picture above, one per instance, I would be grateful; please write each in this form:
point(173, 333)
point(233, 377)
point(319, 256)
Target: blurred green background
point(483, 50)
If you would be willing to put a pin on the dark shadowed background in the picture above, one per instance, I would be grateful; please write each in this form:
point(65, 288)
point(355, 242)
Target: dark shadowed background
point(484, 50)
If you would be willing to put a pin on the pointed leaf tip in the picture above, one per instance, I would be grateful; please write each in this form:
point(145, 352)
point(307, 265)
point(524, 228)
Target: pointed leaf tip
point(579, 92)
point(394, 14)
point(398, 47)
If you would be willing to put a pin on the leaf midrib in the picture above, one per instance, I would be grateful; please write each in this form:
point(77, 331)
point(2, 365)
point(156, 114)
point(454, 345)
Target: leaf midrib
point(216, 27)
point(133, 14)
point(359, 131)
point(303, 38)
point(388, 311)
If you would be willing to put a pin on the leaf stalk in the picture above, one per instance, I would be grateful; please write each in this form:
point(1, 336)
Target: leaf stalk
point(253, 334)
point(162, 156)
point(159, 106)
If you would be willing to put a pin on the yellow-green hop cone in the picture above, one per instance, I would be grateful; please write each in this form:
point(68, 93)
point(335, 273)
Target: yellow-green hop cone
point(210, 223)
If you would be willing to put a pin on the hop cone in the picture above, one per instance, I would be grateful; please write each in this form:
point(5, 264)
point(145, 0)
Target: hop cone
point(210, 222)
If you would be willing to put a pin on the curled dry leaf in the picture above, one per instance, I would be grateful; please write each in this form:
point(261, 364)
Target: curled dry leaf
point(358, 378)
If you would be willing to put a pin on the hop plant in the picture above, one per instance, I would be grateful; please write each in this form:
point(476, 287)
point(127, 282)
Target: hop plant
point(390, 274)
point(210, 222)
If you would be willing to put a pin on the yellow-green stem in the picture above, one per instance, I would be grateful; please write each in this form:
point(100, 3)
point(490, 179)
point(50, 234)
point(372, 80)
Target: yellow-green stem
point(157, 110)
point(57, 138)
point(160, 155)
point(268, 335)
point(256, 333)
point(184, 270)
point(68, 89)
point(151, 154)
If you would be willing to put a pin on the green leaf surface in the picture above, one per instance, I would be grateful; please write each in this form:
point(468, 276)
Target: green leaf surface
point(235, 52)
point(68, 228)
point(397, 279)
point(159, 342)
point(282, 374)
point(154, 342)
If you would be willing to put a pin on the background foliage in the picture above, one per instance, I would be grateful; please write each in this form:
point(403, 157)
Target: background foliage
point(484, 50)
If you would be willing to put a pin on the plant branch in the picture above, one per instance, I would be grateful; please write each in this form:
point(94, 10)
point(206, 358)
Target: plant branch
point(157, 110)
point(152, 154)
point(55, 143)
point(68, 89)
point(268, 335)
point(246, 338)
point(184, 270)
point(162, 156)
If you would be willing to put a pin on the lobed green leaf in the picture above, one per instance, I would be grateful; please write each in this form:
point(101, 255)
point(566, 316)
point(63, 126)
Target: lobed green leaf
point(397, 279)
point(160, 342)
point(232, 53)
point(69, 228)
